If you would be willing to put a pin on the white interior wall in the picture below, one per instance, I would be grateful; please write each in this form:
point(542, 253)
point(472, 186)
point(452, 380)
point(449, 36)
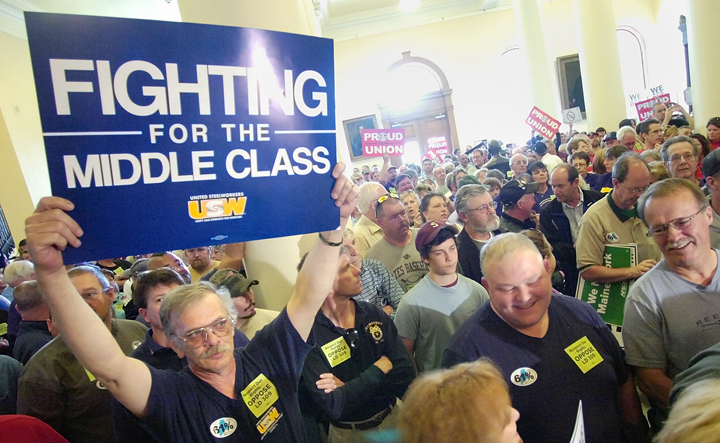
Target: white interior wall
point(490, 102)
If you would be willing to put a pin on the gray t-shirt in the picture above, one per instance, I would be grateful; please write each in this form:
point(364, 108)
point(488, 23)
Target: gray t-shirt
point(669, 319)
point(404, 264)
point(430, 314)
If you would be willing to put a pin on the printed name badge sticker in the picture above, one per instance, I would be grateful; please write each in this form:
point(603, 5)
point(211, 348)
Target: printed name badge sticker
point(336, 351)
point(584, 354)
point(154, 130)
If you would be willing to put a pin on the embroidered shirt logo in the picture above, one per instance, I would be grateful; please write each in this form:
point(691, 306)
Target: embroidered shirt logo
point(375, 330)
point(612, 237)
point(523, 376)
point(223, 427)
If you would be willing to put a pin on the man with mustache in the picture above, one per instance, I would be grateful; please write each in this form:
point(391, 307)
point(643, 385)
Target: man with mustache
point(673, 311)
point(249, 318)
point(476, 211)
point(201, 262)
point(396, 250)
point(251, 393)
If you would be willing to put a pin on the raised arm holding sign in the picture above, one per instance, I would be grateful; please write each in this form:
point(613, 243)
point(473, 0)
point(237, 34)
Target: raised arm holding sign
point(199, 327)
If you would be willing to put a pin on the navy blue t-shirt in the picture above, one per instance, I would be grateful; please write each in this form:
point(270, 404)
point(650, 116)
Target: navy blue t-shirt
point(183, 408)
point(546, 384)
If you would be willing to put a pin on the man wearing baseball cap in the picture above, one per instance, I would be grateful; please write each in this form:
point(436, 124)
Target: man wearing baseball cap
point(551, 161)
point(518, 199)
point(249, 318)
point(433, 309)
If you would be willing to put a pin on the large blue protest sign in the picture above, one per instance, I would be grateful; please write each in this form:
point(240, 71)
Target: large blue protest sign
point(173, 135)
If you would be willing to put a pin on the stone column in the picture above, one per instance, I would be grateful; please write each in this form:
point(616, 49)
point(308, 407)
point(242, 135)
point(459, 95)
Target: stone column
point(702, 19)
point(599, 63)
point(532, 46)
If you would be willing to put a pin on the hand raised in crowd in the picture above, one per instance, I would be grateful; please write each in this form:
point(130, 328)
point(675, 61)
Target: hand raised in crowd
point(345, 192)
point(49, 231)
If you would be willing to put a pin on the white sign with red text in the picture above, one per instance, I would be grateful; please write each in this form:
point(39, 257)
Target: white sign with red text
point(378, 142)
point(644, 108)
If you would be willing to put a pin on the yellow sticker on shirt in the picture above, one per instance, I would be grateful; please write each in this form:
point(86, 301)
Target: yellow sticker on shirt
point(90, 375)
point(259, 395)
point(336, 351)
point(584, 354)
point(3, 328)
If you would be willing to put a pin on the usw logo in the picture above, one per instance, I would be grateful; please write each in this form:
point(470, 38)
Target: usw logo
point(216, 207)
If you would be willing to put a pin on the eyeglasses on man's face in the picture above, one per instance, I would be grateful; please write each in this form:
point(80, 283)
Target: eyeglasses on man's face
point(686, 156)
point(92, 294)
point(483, 208)
point(635, 190)
point(679, 224)
point(199, 336)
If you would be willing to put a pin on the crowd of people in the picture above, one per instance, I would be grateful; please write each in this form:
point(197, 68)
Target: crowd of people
point(444, 309)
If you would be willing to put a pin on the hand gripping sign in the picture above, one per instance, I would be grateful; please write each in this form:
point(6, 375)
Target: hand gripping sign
point(543, 123)
point(165, 139)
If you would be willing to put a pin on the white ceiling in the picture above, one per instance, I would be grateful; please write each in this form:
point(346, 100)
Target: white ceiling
point(339, 19)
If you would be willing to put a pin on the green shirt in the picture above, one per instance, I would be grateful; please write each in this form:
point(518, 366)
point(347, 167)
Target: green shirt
point(57, 389)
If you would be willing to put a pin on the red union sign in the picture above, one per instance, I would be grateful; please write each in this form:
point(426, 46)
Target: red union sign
point(644, 108)
point(378, 142)
point(543, 123)
point(438, 145)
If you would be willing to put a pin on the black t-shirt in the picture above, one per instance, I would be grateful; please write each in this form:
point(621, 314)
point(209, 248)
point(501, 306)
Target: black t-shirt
point(547, 382)
point(183, 408)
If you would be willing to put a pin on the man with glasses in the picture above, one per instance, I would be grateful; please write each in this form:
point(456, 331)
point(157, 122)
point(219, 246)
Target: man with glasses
point(57, 388)
point(518, 165)
point(673, 311)
point(251, 393)
point(396, 250)
point(476, 211)
point(613, 221)
point(627, 137)
point(681, 156)
point(358, 367)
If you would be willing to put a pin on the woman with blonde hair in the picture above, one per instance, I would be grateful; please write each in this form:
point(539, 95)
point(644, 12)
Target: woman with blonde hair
point(411, 202)
point(695, 417)
point(469, 402)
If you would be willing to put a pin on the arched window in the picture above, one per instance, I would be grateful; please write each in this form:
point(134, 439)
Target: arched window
point(417, 98)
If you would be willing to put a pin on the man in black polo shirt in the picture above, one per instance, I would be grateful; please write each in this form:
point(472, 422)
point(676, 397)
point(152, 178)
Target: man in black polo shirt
point(359, 366)
point(247, 395)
